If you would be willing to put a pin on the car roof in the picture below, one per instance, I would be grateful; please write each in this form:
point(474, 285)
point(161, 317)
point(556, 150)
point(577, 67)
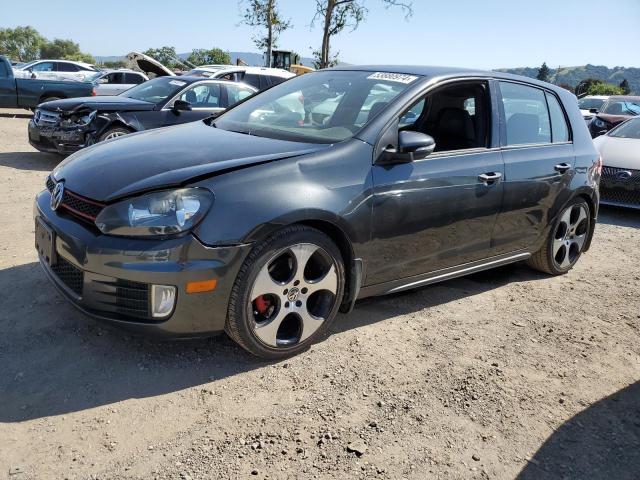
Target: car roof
point(192, 79)
point(276, 72)
point(84, 64)
point(448, 72)
point(634, 98)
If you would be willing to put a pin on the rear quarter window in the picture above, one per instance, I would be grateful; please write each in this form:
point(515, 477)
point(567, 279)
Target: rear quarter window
point(559, 127)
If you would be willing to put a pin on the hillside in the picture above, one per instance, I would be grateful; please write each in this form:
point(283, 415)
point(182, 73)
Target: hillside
point(573, 75)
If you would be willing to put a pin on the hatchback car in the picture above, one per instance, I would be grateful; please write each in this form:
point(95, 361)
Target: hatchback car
point(265, 223)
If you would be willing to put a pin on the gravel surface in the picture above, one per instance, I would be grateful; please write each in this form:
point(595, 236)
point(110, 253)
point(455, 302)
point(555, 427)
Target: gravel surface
point(503, 374)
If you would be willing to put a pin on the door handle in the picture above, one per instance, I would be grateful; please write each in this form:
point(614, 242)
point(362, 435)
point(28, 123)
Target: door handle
point(562, 167)
point(490, 178)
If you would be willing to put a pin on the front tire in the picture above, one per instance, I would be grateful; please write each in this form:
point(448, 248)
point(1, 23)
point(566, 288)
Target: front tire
point(287, 293)
point(566, 240)
point(114, 132)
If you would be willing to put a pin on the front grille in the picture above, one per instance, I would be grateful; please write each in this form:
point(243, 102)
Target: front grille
point(620, 190)
point(46, 118)
point(77, 204)
point(127, 298)
point(70, 275)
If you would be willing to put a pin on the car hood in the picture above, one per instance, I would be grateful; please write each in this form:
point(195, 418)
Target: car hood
point(104, 104)
point(167, 157)
point(619, 152)
point(150, 66)
point(613, 119)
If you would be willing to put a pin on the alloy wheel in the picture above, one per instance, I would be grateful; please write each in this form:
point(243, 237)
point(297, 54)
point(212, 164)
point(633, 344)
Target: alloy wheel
point(293, 294)
point(570, 236)
point(115, 134)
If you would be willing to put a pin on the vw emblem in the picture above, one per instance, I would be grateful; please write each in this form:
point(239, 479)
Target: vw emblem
point(624, 175)
point(293, 293)
point(56, 195)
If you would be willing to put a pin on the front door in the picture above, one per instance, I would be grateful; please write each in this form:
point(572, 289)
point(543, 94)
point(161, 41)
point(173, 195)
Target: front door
point(539, 161)
point(8, 87)
point(439, 212)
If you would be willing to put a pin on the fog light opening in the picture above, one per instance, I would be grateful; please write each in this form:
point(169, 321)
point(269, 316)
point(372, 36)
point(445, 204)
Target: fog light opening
point(163, 298)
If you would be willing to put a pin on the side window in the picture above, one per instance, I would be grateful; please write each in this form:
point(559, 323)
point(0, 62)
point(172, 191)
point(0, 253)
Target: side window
point(43, 67)
point(3, 70)
point(526, 114)
point(251, 79)
point(410, 117)
point(235, 93)
point(275, 80)
point(203, 96)
point(113, 78)
point(559, 128)
point(133, 78)
point(67, 67)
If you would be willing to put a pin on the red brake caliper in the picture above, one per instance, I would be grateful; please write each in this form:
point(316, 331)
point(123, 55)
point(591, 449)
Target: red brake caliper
point(262, 305)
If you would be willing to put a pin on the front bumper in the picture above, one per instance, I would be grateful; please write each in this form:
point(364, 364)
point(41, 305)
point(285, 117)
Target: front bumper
point(56, 139)
point(620, 187)
point(109, 277)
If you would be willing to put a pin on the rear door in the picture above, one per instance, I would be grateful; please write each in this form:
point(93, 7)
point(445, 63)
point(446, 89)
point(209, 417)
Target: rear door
point(539, 161)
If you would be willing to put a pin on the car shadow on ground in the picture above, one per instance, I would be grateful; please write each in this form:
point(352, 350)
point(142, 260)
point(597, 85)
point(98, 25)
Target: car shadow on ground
point(600, 443)
point(44, 162)
point(619, 216)
point(56, 360)
point(12, 114)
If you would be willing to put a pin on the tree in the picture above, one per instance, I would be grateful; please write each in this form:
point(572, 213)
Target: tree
point(602, 88)
point(336, 15)
point(543, 72)
point(202, 56)
point(64, 50)
point(332, 61)
point(165, 55)
point(265, 14)
point(624, 86)
point(566, 86)
point(20, 43)
point(116, 64)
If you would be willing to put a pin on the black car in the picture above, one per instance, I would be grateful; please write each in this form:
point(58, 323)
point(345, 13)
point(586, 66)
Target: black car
point(65, 126)
point(268, 220)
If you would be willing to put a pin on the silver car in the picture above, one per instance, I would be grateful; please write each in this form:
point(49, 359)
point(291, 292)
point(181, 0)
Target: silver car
point(114, 82)
point(620, 150)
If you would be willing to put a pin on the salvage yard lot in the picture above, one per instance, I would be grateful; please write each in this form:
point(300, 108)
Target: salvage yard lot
point(504, 373)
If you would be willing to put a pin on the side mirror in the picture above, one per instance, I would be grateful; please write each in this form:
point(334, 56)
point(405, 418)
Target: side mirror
point(411, 146)
point(181, 105)
point(593, 110)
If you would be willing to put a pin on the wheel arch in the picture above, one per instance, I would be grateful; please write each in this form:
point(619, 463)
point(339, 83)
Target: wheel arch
point(325, 223)
point(593, 210)
point(45, 95)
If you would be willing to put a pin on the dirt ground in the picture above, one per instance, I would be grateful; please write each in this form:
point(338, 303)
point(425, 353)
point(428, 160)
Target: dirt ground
point(503, 374)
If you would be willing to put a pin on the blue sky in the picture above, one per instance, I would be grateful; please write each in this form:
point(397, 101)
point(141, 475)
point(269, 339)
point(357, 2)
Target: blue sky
point(470, 33)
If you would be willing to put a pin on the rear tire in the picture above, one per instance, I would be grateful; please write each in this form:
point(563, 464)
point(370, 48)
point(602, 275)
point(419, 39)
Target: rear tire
point(566, 240)
point(287, 293)
point(114, 132)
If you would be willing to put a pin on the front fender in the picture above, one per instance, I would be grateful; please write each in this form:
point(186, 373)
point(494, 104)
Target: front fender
point(332, 186)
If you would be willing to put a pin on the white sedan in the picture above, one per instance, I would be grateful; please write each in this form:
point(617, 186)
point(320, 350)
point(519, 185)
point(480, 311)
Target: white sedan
point(620, 150)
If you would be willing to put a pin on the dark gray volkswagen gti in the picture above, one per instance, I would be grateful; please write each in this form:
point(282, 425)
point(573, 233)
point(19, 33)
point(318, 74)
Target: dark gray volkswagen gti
point(330, 187)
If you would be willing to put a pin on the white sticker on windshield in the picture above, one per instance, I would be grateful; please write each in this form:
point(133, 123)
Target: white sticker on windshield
point(392, 77)
point(178, 83)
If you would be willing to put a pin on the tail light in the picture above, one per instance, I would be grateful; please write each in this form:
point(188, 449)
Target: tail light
point(93, 92)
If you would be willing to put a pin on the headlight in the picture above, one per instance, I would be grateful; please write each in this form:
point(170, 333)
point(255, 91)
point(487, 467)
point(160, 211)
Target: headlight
point(78, 119)
point(158, 213)
point(599, 123)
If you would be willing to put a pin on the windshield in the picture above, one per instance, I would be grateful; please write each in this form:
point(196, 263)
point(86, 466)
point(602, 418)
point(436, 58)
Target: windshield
point(28, 64)
point(628, 129)
point(156, 90)
point(93, 77)
point(197, 72)
point(321, 107)
point(622, 107)
point(589, 103)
